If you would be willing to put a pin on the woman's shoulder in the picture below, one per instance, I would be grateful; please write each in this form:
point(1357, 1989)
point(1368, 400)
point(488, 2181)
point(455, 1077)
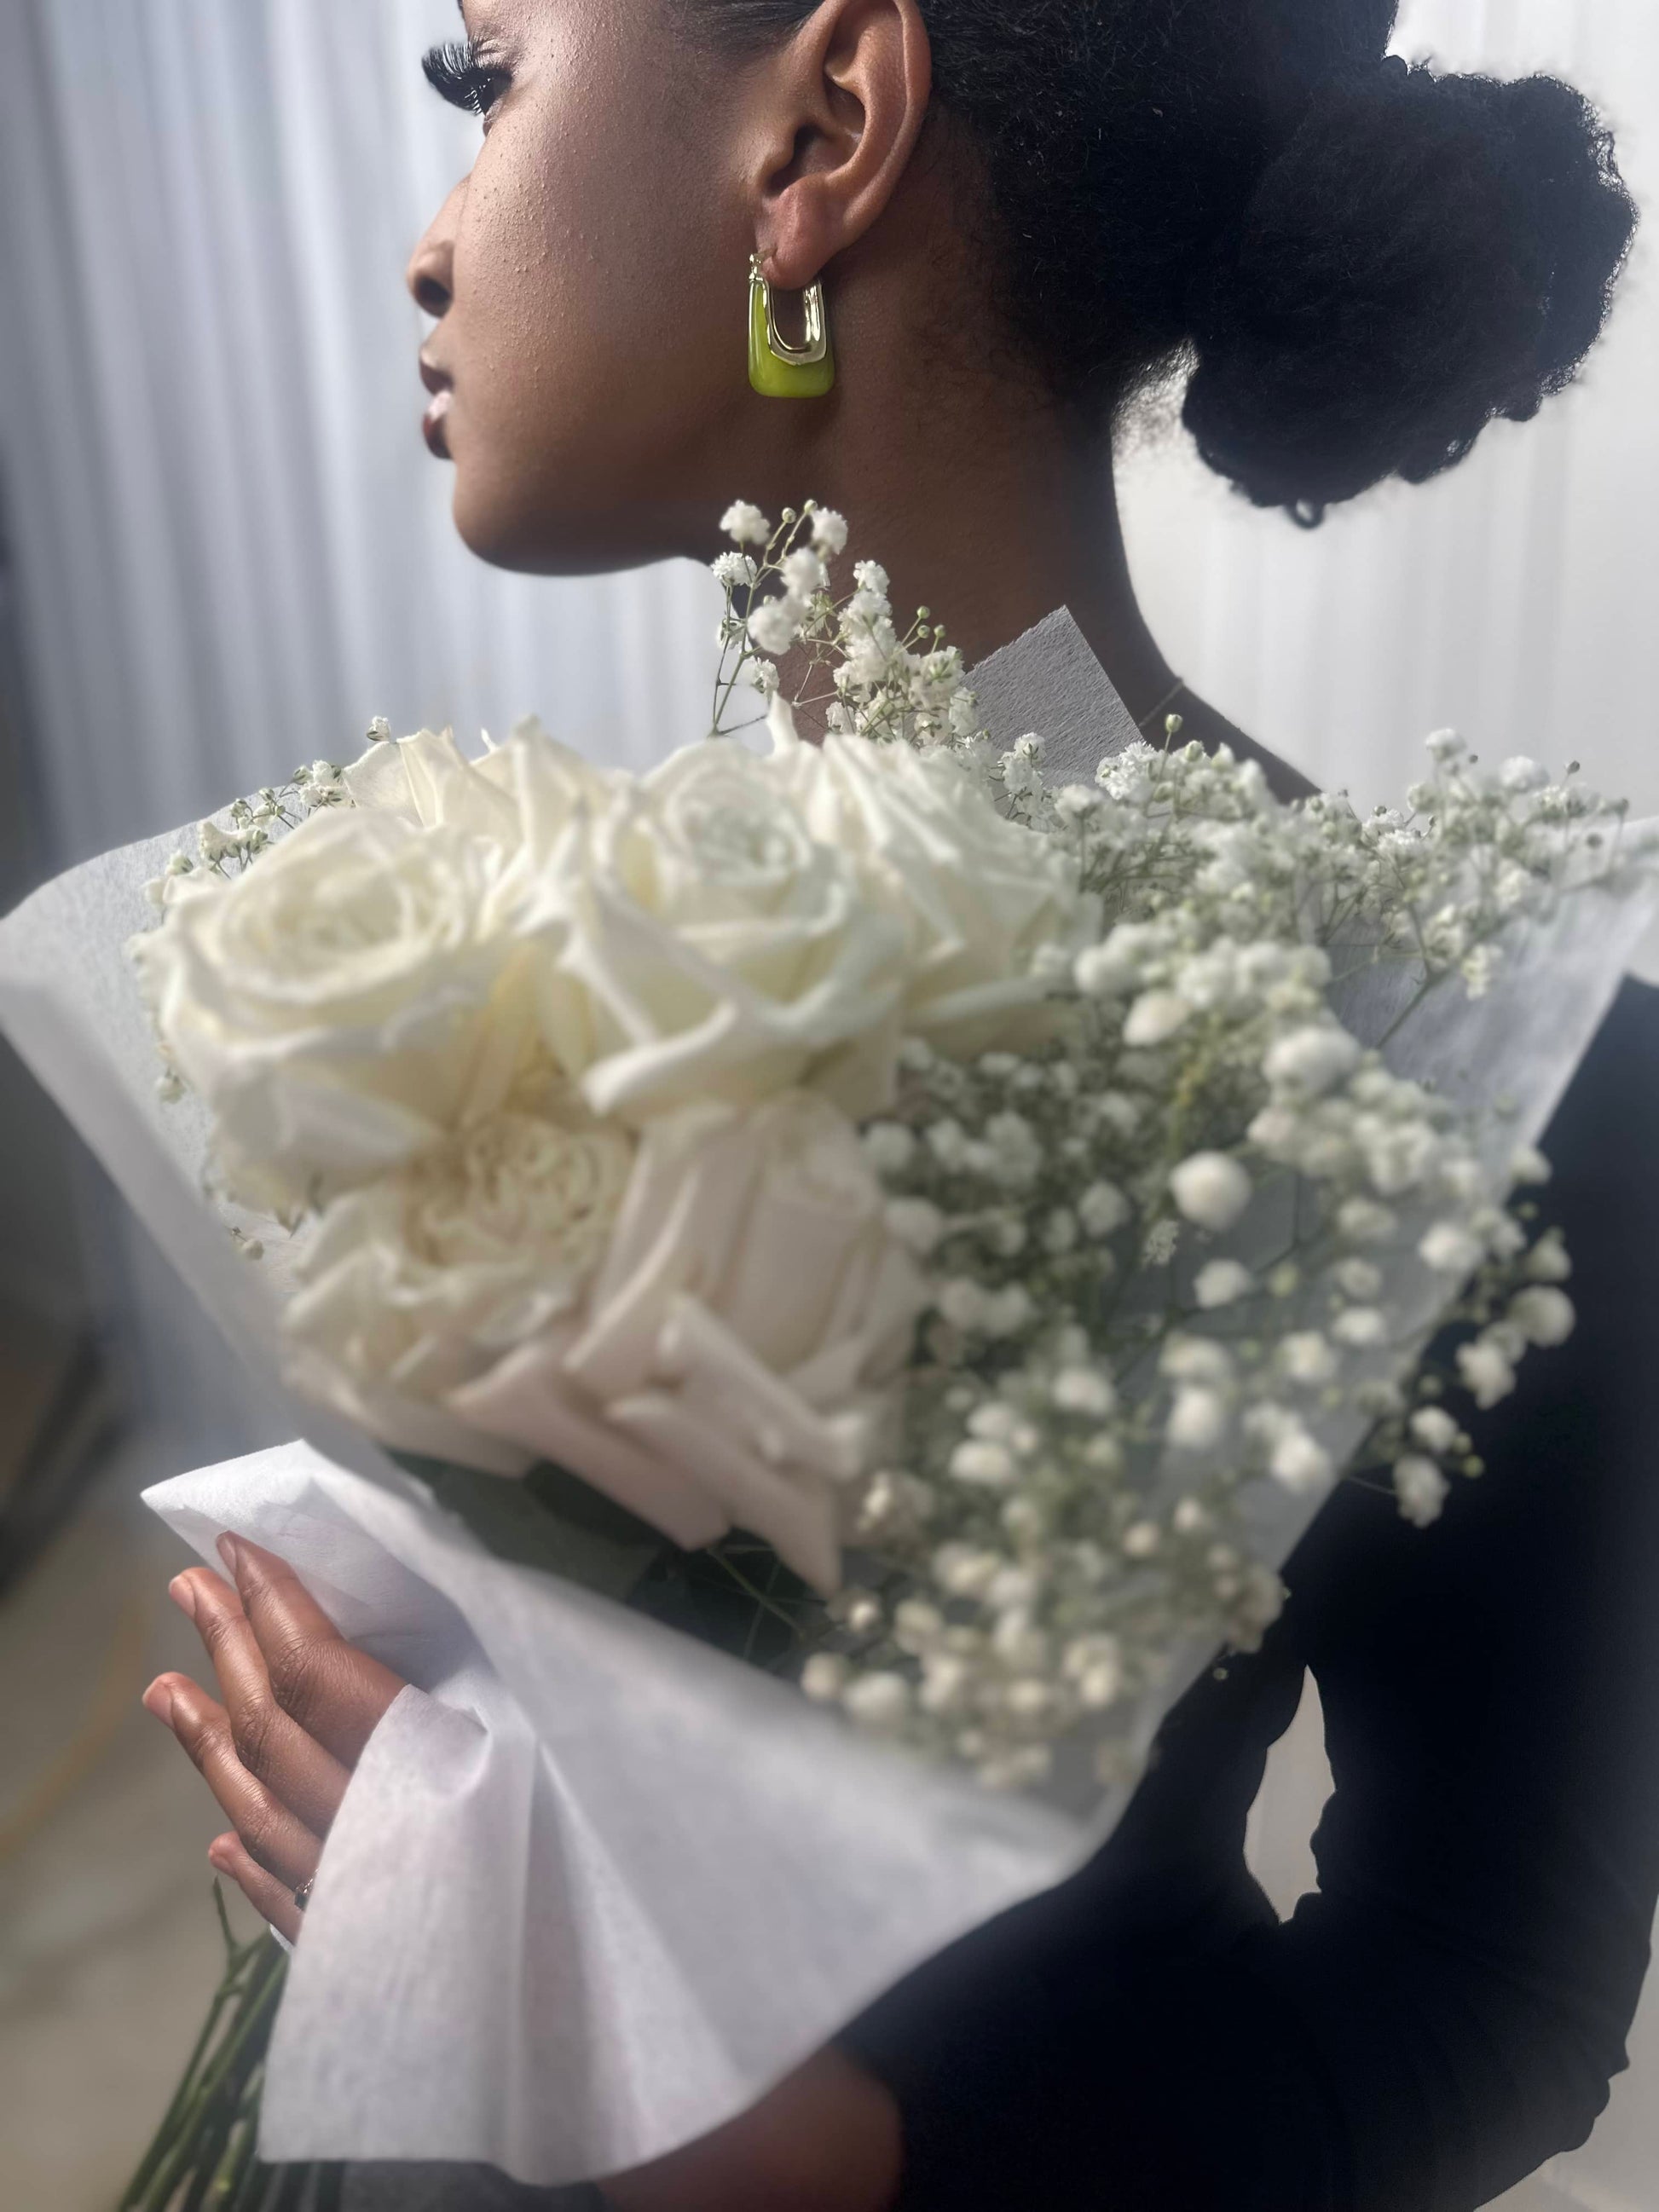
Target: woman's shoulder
point(1572, 1451)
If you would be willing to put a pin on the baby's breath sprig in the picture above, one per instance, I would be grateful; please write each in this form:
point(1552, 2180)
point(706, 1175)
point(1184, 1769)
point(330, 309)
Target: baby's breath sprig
point(251, 825)
point(847, 656)
point(1109, 1374)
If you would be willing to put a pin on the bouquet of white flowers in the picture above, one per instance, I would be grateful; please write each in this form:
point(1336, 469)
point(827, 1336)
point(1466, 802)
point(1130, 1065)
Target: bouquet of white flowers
point(863, 1148)
point(932, 1230)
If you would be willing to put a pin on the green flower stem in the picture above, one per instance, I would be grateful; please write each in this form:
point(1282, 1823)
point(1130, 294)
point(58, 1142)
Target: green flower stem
point(259, 2183)
point(752, 1590)
point(217, 2129)
point(165, 2134)
point(242, 2050)
point(230, 2192)
point(239, 1961)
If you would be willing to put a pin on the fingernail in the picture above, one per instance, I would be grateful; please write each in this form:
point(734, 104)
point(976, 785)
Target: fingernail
point(182, 1591)
point(158, 1699)
point(219, 1855)
point(227, 1551)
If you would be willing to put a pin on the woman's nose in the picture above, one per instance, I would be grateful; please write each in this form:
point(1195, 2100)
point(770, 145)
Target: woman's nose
point(431, 273)
point(431, 290)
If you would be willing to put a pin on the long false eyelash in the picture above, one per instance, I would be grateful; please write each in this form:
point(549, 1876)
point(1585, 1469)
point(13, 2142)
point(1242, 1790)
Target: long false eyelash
point(455, 74)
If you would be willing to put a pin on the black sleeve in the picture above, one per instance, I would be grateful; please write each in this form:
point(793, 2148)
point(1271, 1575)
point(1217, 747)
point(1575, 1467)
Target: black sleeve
point(1447, 2012)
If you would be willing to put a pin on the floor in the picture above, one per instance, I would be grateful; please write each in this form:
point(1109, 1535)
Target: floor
point(109, 1948)
point(108, 1945)
point(34, 1362)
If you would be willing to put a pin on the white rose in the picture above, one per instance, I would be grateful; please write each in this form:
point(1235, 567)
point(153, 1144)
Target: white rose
point(511, 794)
point(422, 1281)
point(428, 781)
point(991, 910)
point(341, 1005)
point(702, 945)
point(736, 1359)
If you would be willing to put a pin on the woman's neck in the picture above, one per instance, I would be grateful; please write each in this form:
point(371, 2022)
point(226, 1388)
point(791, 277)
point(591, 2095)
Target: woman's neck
point(993, 527)
point(994, 521)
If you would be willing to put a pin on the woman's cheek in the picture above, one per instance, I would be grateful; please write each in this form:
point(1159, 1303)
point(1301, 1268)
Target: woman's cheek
point(587, 349)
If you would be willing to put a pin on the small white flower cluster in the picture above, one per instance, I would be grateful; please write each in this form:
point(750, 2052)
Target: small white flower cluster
point(252, 824)
point(1099, 1385)
point(854, 667)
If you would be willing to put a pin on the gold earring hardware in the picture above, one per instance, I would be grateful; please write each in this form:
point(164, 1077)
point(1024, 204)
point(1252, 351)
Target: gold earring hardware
point(778, 370)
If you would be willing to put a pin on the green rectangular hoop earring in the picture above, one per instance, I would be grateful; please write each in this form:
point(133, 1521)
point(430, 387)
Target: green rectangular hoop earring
point(778, 370)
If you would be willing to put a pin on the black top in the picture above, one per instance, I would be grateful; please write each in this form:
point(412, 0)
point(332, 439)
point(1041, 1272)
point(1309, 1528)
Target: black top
point(1446, 2012)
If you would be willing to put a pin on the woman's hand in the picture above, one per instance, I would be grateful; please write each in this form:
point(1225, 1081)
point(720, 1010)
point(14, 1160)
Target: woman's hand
point(299, 1704)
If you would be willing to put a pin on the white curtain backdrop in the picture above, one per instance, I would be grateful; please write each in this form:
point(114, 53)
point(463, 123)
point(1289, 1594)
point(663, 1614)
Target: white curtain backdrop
point(237, 548)
point(235, 551)
point(1513, 598)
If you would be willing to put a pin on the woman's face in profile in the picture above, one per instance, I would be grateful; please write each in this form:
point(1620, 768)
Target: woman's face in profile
point(589, 279)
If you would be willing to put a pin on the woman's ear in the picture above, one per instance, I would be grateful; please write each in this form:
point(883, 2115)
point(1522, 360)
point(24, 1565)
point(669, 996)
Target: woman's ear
point(838, 111)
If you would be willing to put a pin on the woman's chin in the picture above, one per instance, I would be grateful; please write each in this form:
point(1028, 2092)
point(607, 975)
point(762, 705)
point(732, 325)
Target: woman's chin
point(544, 535)
point(507, 532)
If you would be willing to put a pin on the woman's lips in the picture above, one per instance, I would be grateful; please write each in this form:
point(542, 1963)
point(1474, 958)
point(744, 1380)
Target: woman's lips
point(435, 423)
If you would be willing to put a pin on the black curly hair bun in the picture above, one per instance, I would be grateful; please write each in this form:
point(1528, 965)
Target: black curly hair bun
point(1423, 255)
point(1367, 262)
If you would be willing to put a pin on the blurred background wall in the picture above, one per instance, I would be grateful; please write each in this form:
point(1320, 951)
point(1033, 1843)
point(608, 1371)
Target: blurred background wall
point(223, 549)
point(232, 551)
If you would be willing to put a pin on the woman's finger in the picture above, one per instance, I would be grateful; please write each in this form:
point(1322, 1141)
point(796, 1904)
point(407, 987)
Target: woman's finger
point(273, 1747)
point(274, 1838)
point(227, 1855)
point(335, 1692)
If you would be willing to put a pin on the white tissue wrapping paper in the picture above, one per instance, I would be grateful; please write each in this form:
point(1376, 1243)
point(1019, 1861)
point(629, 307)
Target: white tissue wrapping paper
point(594, 1887)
